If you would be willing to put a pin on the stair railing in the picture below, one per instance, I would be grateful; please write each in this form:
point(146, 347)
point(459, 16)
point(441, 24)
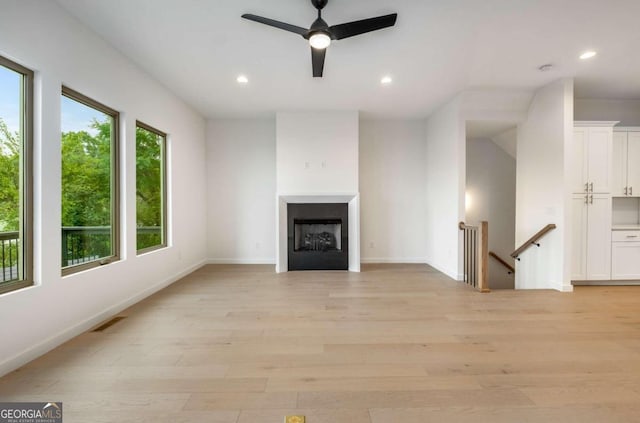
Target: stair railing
point(511, 270)
point(533, 241)
point(476, 255)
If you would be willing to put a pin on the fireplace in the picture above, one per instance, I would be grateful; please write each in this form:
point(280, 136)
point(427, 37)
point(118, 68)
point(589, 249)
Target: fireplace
point(318, 236)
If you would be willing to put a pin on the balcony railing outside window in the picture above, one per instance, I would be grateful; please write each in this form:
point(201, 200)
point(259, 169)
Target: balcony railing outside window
point(9, 256)
point(79, 245)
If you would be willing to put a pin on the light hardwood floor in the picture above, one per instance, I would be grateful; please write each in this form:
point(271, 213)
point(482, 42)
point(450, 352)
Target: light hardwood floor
point(395, 343)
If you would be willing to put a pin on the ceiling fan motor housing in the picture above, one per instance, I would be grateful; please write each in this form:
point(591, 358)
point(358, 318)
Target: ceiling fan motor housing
point(319, 25)
point(319, 4)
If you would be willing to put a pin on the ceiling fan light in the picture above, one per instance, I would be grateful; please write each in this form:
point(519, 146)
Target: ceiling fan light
point(320, 40)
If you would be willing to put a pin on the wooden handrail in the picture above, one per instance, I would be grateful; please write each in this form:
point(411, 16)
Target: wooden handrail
point(502, 262)
point(532, 241)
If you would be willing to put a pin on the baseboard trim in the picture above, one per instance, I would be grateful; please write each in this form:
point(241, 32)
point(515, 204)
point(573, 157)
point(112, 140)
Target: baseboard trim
point(63, 336)
point(241, 261)
point(393, 260)
point(373, 260)
point(606, 283)
point(453, 275)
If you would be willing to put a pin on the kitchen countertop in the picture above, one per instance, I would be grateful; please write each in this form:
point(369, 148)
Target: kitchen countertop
point(635, 227)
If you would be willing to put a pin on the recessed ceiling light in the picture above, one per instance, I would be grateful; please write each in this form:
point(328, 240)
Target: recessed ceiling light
point(588, 54)
point(242, 79)
point(386, 80)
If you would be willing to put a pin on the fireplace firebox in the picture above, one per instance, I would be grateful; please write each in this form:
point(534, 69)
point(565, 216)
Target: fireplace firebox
point(318, 236)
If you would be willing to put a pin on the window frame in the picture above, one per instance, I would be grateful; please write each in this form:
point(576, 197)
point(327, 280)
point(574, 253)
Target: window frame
point(163, 187)
point(26, 179)
point(115, 182)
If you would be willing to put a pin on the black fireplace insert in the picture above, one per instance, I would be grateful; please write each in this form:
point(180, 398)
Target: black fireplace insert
point(318, 236)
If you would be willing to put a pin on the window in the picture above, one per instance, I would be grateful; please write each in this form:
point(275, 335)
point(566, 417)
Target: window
point(90, 209)
point(16, 139)
point(151, 210)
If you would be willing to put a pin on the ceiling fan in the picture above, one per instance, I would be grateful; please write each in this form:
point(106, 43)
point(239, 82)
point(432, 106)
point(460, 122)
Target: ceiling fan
point(320, 34)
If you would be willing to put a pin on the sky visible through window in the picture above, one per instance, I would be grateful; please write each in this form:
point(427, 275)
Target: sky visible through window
point(78, 117)
point(10, 82)
point(75, 116)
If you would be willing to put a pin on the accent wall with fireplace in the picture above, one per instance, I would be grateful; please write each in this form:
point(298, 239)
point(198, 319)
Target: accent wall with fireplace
point(317, 200)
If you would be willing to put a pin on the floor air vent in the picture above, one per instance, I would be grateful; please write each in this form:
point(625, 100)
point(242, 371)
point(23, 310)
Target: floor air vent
point(109, 323)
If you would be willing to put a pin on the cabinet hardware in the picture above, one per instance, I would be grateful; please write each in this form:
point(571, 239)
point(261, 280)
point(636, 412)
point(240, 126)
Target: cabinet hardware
point(630, 190)
point(586, 187)
point(625, 191)
point(591, 200)
point(632, 236)
point(586, 199)
point(591, 184)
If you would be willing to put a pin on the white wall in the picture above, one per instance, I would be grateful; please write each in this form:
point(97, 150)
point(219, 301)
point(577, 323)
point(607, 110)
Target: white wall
point(445, 166)
point(317, 152)
point(241, 171)
point(241, 191)
point(542, 194)
point(491, 195)
point(392, 183)
point(626, 111)
point(42, 37)
point(495, 104)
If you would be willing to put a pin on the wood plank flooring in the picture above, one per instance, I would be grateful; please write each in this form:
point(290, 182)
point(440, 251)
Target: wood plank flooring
point(395, 343)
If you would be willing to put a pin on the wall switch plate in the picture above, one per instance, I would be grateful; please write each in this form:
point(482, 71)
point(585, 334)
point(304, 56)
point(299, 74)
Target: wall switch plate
point(294, 419)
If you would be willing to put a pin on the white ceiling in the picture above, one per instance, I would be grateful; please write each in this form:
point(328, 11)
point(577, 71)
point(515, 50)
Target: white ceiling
point(438, 48)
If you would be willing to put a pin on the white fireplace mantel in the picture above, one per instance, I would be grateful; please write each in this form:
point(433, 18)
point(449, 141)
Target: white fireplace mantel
point(353, 200)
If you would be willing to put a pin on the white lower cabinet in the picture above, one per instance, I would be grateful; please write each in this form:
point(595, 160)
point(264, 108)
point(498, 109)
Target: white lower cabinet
point(625, 255)
point(591, 237)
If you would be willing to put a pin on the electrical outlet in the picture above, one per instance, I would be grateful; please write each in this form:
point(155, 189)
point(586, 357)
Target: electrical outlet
point(257, 245)
point(372, 245)
point(324, 164)
point(307, 165)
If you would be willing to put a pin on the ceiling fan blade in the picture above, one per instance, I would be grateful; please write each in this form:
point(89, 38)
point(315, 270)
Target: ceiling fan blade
point(351, 29)
point(317, 60)
point(281, 25)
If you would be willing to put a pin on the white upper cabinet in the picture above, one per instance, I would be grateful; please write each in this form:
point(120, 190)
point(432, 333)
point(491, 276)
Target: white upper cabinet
point(619, 164)
point(626, 162)
point(591, 157)
point(578, 169)
point(633, 164)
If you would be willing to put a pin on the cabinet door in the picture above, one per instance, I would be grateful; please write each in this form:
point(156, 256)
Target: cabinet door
point(633, 163)
point(579, 237)
point(625, 260)
point(599, 237)
point(578, 161)
point(599, 148)
point(619, 168)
